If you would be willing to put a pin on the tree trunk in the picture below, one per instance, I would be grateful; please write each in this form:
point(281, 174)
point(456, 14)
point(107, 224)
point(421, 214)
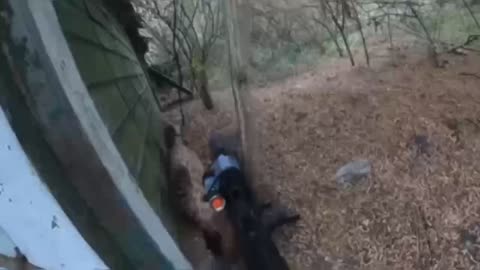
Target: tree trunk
point(432, 49)
point(332, 35)
point(340, 28)
point(345, 41)
point(337, 45)
point(203, 90)
point(360, 29)
point(239, 77)
point(467, 6)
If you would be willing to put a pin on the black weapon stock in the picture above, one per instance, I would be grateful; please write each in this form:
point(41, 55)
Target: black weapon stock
point(254, 237)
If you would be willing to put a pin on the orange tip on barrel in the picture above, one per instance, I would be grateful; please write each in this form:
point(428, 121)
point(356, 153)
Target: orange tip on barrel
point(217, 203)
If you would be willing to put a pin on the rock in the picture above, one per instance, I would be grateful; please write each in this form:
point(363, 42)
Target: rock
point(331, 76)
point(353, 172)
point(470, 238)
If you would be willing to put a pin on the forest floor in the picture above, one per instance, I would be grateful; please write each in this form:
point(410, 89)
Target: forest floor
point(418, 125)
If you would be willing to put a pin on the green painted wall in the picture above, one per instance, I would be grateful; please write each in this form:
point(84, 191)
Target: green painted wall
point(121, 93)
point(27, 130)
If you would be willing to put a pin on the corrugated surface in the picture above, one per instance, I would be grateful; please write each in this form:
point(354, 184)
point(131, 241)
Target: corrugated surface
point(120, 90)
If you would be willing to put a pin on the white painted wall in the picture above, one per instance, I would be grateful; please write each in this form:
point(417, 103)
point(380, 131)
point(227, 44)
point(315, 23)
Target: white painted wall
point(7, 247)
point(31, 217)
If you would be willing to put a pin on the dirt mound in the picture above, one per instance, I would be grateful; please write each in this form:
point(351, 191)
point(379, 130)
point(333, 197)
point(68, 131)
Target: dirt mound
point(418, 126)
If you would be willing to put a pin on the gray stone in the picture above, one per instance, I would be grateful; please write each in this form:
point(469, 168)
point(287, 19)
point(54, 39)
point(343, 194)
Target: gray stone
point(353, 172)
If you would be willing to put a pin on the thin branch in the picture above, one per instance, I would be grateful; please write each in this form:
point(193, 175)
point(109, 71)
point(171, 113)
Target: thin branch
point(177, 62)
point(185, 44)
point(469, 74)
point(160, 77)
point(431, 42)
point(329, 8)
point(393, 14)
point(208, 16)
point(179, 102)
point(187, 47)
point(468, 42)
point(360, 29)
point(219, 23)
point(422, 24)
point(332, 35)
point(191, 25)
point(390, 34)
point(395, 2)
point(467, 6)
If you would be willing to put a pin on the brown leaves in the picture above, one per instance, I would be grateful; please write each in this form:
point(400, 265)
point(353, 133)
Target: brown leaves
point(423, 189)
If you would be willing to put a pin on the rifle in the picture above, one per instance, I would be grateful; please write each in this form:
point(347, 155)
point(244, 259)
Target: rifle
point(227, 189)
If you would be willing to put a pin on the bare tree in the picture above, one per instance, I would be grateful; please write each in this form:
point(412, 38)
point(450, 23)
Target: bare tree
point(338, 14)
point(356, 17)
point(193, 26)
point(279, 26)
point(431, 41)
point(201, 40)
point(331, 32)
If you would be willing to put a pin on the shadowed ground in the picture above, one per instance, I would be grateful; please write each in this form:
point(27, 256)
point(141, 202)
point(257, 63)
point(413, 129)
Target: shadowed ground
point(420, 128)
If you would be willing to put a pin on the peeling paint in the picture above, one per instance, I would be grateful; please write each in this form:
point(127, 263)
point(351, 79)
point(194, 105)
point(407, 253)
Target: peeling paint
point(54, 223)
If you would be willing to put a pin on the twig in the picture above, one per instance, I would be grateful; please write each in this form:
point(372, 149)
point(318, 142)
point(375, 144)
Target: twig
point(422, 24)
point(158, 76)
point(471, 49)
point(470, 256)
point(326, 6)
point(472, 14)
point(469, 74)
point(426, 226)
point(393, 3)
point(470, 40)
point(172, 105)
